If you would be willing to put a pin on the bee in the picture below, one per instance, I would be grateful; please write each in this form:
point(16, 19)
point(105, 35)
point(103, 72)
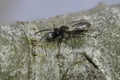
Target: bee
point(59, 32)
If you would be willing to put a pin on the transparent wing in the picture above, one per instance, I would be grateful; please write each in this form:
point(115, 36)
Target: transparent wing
point(78, 24)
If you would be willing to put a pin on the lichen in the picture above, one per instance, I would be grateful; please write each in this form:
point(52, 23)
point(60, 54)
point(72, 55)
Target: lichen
point(24, 57)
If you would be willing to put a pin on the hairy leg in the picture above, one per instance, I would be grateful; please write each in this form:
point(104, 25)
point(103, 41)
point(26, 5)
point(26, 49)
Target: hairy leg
point(42, 31)
point(45, 35)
